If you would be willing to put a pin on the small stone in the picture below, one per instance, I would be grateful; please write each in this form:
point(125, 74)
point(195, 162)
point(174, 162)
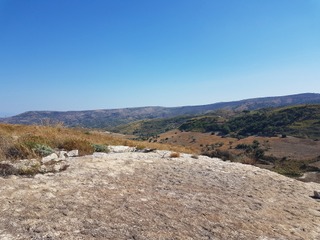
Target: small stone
point(73, 153)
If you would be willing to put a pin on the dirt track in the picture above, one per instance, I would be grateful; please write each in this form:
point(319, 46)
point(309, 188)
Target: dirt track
point(150, 196)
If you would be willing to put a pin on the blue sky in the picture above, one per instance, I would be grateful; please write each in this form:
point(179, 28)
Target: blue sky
point(80, 54)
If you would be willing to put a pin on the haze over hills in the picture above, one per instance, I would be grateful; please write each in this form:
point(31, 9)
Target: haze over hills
point(108, 118)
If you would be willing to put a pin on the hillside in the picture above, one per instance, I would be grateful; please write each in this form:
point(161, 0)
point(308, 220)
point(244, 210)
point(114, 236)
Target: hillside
point(299, 121)
point(130, 195)
point(110, 118)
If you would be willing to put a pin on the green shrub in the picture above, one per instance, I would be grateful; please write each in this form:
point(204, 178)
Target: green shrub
point(43, 150)
point(100, 148)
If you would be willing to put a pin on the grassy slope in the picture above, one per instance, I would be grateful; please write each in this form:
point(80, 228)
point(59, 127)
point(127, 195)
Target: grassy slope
point(299, 121)
point(19, 141)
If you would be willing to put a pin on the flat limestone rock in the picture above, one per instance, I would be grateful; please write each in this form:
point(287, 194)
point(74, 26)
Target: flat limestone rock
point(133, 195)
point(73, 153)
point(121, 149)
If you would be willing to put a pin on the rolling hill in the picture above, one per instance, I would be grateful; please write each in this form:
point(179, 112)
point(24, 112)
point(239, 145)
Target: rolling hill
point(109, 118)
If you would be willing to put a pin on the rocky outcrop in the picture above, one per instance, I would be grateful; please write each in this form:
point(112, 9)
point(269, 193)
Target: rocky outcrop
point(134, 195)
point(54, 162)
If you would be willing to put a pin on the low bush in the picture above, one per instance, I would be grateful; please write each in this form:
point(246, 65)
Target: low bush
point(100, 148)
point(43, 150)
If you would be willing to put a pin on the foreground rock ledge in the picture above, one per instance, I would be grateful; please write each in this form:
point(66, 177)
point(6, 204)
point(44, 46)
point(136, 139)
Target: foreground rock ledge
point(150, 196)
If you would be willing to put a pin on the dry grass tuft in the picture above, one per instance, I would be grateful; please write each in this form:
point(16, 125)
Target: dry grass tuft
point(174, 155)
point(84, 146)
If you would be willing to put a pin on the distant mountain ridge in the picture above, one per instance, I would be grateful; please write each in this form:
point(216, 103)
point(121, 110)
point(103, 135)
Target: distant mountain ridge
point(108, 118)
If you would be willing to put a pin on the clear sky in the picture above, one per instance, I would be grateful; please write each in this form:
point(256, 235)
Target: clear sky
point(100, 54)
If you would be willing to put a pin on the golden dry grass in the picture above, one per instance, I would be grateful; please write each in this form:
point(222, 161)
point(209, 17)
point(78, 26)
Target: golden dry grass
point(17, 141)
point(174, 155)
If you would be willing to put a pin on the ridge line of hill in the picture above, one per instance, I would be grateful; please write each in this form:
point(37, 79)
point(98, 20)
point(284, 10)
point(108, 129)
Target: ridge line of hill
point(109, 118)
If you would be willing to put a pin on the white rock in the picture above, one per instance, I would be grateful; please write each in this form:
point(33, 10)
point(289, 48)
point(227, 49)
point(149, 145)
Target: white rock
point(121, 149)
point(50, 157)
point(73, 153)
point(63, 154)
